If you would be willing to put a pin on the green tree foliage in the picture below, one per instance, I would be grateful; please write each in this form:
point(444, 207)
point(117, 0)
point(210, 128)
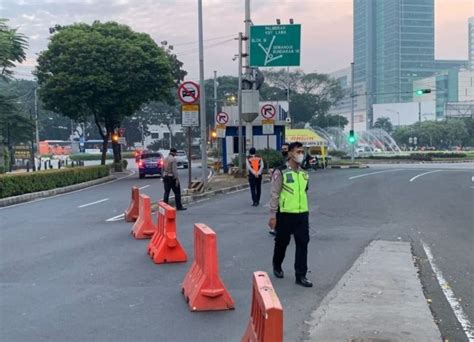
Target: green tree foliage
point(13, 47)
point(384, 123)
point(103, 70)
point(438, 134)
point(311, 95)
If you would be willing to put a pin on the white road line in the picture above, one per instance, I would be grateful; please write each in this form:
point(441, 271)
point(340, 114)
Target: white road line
point(116, 218)
point(92, 203)
point(144, 187)
point(374, 173)
point(449, 294)
point(423, 174)
point(132, 172)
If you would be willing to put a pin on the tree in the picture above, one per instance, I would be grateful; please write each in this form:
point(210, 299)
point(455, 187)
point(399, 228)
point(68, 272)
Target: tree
point(103, 70)
point(311, 94)
point(13, 47)
point(385, 124)
point(328, 120)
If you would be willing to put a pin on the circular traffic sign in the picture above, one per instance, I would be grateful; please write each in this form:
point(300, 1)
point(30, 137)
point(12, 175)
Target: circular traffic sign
point(188, 92)
point(268, 111)
point(222, 118)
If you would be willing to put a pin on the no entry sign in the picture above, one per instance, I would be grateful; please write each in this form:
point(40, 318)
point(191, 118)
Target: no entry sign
point(188, 92)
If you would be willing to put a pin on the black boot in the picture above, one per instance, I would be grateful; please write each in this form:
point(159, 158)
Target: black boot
point(303, 281)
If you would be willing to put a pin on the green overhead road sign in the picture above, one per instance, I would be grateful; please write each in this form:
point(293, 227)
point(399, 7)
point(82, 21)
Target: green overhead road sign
point(275, 45)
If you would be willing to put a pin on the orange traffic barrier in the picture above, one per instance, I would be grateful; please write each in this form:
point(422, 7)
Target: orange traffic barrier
point(144, 228)
point(203, 288)
point(266, 313)
point(164, 245)
point(131, 213)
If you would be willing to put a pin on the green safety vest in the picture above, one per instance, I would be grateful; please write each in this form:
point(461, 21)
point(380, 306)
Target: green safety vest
point(293, 197)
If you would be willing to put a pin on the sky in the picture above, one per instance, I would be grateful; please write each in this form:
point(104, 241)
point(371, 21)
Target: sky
point(326, 27)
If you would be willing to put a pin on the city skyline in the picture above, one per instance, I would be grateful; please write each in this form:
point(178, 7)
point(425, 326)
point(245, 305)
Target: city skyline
point(320, 51)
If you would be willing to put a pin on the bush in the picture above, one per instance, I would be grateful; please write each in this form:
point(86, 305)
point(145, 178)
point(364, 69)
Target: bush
point(413, 156)
point(271, 158)
point(337, 153)
point(89, 156)
point(446, 155)
point(19, 184)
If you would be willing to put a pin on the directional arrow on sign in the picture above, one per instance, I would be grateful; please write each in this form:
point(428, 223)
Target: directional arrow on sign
point(268, 111)
point(222, 118)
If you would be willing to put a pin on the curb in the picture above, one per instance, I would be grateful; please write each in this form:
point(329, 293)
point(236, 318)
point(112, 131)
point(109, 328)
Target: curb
point(4, 202)
point(421, 162)
point(209, 194)
point(363, 166)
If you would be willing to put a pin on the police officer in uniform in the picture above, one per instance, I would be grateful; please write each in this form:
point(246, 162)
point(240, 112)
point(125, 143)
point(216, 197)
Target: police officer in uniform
point(255, 169)
point(171, 180)
point(290, 213)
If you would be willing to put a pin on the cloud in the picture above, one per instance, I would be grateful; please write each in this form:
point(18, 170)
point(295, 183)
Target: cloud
point(326, 26)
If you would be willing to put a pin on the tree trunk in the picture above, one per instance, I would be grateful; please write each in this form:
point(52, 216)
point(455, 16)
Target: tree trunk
point(105, 143)
point(105, 139)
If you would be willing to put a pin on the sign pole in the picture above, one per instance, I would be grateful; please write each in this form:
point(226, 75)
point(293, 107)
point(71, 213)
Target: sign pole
point(202, 97)
point(239, 106)
point(352, 110)
point(190, 140)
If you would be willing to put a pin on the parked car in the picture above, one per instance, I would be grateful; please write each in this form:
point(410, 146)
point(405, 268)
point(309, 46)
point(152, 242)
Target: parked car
point(150, 163)
point(182, 159)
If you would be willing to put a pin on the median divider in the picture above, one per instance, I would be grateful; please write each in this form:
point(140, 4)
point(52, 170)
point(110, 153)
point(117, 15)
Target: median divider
point(164, 246)
point(202, 287)
point(144, 227)
point(266, 312)
point(131, 213)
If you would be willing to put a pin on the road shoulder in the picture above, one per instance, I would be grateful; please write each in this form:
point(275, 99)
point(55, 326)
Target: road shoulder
point(379, 298)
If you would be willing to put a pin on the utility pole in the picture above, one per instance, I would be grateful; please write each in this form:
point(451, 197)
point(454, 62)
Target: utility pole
point(247, 21)
point(419, 111)
point(239, 105)
point(202, 102)
point(352, 110)
point(288, 94)
point(215, 112)
point(36, 130)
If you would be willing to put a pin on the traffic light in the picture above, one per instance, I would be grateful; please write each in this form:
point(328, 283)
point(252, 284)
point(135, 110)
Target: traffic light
point(422, 91)
point(115, 137)
point(214, 134)
point(352, 138)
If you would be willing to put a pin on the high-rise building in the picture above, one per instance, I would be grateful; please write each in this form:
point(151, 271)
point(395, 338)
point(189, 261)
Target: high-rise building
point(471, 42)
point(393, 45)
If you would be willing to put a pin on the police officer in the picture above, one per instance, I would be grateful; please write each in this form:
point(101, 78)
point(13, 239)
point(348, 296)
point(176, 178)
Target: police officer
point(290, 213)
point(171, 179)
point(255, 169)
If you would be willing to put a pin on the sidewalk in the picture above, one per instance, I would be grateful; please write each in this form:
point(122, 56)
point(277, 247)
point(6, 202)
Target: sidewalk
point(379, 299)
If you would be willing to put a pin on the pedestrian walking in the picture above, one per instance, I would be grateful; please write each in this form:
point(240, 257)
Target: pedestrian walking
point(171, 180)
point(289, 213)
point(255, 169)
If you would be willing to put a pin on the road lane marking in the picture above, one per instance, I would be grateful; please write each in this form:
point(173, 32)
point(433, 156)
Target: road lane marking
point(144, 187)
point(132, 172)
point(423, 174)
point(116, 218)
point(374, 173)
point(449, 294)
point(92, 203)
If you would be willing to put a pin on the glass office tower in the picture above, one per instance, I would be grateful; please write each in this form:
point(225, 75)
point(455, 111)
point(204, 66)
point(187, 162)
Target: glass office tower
point(393, 45)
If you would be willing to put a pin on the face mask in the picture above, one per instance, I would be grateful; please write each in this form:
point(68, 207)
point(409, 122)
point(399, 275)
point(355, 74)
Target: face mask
point(284, 153)
point(299, 158)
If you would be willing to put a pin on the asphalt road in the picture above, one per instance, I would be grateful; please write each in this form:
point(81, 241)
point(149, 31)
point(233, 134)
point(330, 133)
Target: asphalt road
point(66, 273)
